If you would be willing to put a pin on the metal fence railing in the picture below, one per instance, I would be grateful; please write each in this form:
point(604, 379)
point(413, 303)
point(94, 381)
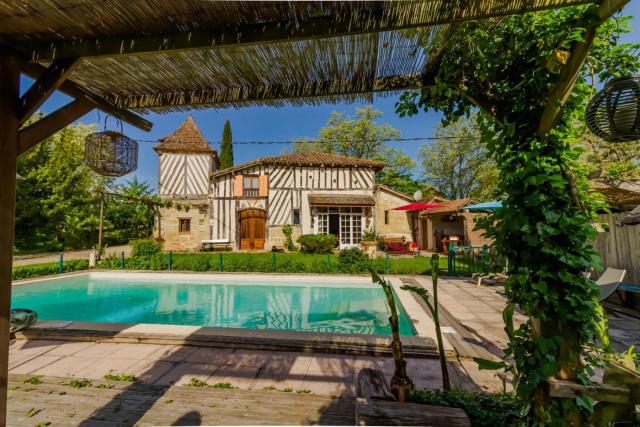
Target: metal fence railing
point(469, 260)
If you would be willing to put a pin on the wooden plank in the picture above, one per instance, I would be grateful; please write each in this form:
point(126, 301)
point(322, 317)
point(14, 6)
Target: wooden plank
point(47, 126)
point(44, 86)
point(74, 90)
point(371, 412)
point(599, 392)
point(129, 403)
point(373, 385)
point(9, 95)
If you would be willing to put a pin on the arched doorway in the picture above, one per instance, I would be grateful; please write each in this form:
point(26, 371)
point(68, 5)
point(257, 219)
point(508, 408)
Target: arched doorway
point(252, 226)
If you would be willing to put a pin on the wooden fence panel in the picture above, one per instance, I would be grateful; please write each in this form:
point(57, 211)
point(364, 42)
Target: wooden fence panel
point(619, 247)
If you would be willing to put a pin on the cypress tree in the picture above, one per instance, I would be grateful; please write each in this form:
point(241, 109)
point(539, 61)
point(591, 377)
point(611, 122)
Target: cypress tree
point(226, 148)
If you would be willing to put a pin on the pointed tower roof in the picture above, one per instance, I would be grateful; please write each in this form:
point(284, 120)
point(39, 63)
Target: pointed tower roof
point(186, 139)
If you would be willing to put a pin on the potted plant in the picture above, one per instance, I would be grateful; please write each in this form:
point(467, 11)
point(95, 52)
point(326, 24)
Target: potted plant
point(369, 243)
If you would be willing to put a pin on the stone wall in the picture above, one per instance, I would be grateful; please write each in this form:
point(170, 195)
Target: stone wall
point(399, 221)
point(176, 241)
point(474, 238)
point(276, 237)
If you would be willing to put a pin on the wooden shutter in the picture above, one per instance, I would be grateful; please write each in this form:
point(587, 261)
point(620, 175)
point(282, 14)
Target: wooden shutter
point(238, 185)
point(263, 185)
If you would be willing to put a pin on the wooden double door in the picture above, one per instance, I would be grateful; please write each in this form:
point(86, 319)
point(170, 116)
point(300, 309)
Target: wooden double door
point(252, 229)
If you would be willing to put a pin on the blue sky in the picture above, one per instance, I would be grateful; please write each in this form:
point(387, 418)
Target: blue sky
point(271, 123)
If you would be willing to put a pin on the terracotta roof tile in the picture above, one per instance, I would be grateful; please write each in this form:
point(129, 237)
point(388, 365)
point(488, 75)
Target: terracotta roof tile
point(186, 139)
point(308, 158)
point(448, 206)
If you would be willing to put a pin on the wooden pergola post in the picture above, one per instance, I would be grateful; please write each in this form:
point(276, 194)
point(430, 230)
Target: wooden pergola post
point(9, 118)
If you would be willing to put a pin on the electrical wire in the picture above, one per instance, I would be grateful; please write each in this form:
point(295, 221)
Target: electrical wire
point(276, 142)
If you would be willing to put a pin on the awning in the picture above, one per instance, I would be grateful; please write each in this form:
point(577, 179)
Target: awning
point(340, 200)
point(417, 207)
point(486, 206)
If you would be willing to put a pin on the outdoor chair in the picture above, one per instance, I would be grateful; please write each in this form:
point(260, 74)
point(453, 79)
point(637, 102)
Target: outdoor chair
point(609, 282)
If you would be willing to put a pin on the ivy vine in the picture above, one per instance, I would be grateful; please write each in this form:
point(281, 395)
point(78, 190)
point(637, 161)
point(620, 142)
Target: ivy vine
point(508, 71)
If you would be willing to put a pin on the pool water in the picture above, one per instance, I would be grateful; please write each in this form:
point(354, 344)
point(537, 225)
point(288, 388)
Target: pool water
point(319, 307)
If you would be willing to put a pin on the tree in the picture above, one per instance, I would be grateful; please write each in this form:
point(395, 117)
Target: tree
point(55, 206)
point(610, 160)
point(362, 137)
point(527, 76)
point(128, 218)
point(457, 163)
point(226, 148)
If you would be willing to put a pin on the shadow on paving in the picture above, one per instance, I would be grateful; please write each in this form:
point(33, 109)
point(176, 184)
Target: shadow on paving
point(142, 402)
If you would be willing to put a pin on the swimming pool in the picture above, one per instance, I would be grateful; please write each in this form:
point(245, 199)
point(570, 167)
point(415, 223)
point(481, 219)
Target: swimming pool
point(333, 305)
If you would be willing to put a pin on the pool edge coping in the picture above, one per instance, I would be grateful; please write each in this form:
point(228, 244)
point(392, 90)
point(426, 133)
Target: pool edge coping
point(423, 344)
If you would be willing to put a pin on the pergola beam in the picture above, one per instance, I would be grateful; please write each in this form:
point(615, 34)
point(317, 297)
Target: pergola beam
point(44, 86)
point(92, 100)
point(47, 126)
point(265, 33)
point(265, 94)
point(571, 70)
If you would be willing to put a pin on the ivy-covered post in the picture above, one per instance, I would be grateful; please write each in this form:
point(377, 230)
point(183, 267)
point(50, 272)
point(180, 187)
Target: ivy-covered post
point(122, 260)
point(527, 77)
point(170, 260)
point(220, 262)
point(273, 261)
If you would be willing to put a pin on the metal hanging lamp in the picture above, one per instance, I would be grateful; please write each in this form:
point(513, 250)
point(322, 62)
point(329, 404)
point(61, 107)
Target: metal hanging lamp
point(613, 114)
point(111, 153)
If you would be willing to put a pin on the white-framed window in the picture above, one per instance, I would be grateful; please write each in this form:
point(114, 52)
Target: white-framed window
point(350, 223)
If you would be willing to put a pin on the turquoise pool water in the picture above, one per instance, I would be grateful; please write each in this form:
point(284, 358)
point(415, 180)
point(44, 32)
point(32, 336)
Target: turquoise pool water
point(319, 307)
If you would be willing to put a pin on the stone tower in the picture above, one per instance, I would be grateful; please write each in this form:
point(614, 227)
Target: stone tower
point(185, 162)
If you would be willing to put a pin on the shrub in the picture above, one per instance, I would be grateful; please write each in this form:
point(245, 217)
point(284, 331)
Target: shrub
point(483, 409)
point(287, 230)
point(369, 235)
point(144, 248)
point(34, 270)
point(353, 260)
point(317, 243)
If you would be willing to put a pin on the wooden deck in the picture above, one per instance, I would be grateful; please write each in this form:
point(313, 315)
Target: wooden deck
point(56, 401)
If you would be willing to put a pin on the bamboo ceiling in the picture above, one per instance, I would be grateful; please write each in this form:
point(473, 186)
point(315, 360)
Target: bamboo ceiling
point(196, 53)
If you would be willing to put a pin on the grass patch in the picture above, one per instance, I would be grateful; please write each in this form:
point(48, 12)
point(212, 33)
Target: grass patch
point(274, 388)
point(194, 382)
point(79, 383)
point(303, 391)
point(224, 385)
point(120, 377)
point(106, 385)
point(33, 412)
point(35, 380)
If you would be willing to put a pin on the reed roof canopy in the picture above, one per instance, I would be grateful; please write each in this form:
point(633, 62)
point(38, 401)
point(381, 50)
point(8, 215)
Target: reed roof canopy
point(168, 55)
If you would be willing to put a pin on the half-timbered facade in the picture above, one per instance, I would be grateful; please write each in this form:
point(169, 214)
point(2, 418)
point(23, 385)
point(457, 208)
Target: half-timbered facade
point(185, 161)
point(316, 193)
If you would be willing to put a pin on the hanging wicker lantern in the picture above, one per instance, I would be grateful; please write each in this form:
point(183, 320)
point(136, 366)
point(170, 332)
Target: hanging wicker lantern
point(111, 153)
point(613, 114)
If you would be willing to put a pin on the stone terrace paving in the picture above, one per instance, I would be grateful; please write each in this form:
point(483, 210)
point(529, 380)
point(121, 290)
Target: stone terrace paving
point(472, 322)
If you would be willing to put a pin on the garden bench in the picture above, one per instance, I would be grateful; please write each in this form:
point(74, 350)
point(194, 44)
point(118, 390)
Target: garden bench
point(211, 244)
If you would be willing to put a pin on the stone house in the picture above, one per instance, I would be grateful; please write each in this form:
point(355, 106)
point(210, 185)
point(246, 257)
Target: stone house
point(245, 207)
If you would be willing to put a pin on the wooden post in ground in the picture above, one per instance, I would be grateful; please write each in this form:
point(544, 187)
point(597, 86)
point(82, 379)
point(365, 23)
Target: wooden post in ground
point(100, 226)
point(9, 96)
